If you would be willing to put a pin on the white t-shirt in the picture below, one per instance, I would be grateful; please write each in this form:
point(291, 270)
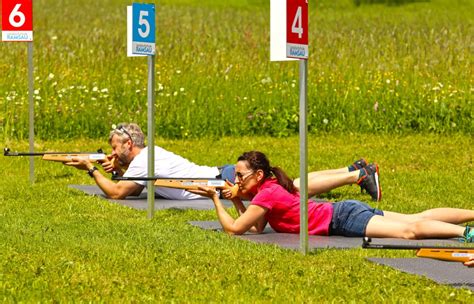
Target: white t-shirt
point(168, 164)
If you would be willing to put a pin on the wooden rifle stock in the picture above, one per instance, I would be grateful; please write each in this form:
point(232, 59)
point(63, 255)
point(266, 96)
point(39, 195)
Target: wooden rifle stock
point(186, 183)
point(65, 157)
point(457, 254)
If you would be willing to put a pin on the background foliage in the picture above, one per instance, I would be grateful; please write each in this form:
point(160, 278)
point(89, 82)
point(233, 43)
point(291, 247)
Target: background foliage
point(372, 68)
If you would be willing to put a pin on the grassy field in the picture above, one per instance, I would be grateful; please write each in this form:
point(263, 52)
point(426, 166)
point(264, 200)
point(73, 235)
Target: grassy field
point(59, 245)
point(383, 68)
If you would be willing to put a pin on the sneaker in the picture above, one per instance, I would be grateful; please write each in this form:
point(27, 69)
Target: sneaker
point(469, 235)
point(359, 164)
point(370, 182)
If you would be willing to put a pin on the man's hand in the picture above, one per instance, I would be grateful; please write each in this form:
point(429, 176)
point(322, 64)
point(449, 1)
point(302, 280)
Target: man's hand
point(80, 163)
point(110, 165)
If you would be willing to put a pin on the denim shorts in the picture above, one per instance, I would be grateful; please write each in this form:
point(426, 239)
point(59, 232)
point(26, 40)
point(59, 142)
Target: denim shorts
point(350, 218)
point(227, 172)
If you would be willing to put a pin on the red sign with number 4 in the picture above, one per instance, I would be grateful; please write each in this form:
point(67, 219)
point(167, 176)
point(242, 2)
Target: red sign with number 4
point(17, 20)
point(297, 29)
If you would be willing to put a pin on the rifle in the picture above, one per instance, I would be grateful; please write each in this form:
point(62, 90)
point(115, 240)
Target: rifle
point(185, 183)
point(457, 254)
point(63, 157)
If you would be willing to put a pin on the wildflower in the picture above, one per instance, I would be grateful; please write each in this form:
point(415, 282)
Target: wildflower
point(181, 89)
point(95, 89)
point(36, 92)
point(104, 90)
point(325, 121)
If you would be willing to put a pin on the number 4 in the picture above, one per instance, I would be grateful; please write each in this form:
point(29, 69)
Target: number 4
point(297, 25)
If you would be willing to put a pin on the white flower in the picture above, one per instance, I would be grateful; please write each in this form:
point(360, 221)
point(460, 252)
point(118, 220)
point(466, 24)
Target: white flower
point(36, 92)
point(95, 89)
point(104, 90)
point(325, 121)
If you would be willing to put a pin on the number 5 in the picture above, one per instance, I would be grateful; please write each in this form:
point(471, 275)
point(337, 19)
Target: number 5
point(297, 25)
point(16, 13)
point(142, 21)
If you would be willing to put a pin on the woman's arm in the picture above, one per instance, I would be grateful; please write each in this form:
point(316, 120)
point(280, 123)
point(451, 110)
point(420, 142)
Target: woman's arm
point(251, 219)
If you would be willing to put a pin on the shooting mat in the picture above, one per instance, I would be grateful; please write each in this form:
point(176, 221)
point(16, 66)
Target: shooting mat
point(140, 202)
point(292, 241)
point(442, 272)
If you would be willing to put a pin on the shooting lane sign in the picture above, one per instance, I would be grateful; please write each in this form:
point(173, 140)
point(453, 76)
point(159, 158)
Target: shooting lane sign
point(297, 29)
point(143, 29)
point(17, 20)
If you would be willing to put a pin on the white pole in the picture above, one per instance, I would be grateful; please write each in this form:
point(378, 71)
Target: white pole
point(31, 107)
point(303, 158)
point(151, 134)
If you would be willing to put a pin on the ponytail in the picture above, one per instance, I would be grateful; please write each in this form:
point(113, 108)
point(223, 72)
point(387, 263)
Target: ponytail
point(283, 179)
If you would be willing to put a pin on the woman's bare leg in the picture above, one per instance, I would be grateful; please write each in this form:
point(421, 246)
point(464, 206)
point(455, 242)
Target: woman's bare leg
point(383, 227)
point(319, 182)
point(448, 215)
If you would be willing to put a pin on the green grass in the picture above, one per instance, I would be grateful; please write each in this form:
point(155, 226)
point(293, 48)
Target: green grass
point(59, 245)
point(372, 68)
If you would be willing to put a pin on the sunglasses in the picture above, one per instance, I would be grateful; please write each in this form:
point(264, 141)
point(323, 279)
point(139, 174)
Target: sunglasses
point(243, 176)
point(122, 130)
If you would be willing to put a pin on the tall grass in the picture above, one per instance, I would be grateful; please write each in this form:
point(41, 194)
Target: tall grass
point(372, 68)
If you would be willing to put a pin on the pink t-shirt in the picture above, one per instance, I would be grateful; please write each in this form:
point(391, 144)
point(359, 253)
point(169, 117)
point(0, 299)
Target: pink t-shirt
point(283, 213)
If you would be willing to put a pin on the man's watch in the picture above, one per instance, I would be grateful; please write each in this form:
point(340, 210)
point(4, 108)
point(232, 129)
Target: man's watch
point(91, 171)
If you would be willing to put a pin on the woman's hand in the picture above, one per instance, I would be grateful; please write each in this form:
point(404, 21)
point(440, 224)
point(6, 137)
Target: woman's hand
point(229, 192)
point(470, 263)
point(205, 191)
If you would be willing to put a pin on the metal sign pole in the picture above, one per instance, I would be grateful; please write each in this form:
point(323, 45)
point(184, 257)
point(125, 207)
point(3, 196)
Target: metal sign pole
point(303, 157)
point(31, 120)
point(151, 134)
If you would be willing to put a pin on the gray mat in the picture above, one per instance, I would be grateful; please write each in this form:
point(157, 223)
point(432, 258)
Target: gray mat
point(443, 272)
point(292, 241)
point(140, 202)
point(287, 240)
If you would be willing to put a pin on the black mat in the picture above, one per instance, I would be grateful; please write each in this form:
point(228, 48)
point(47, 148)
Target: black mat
point(291, 241)
point(443, 272)
point(140, 202)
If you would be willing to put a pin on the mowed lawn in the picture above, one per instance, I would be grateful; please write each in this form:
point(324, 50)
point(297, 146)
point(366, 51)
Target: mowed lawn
point(59, 245)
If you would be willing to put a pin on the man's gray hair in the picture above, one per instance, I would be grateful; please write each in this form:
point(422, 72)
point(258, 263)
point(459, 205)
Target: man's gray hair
point(128, 131)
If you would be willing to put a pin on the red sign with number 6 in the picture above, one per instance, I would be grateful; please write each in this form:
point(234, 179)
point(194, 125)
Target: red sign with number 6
point(17, 20)
point(297, 29)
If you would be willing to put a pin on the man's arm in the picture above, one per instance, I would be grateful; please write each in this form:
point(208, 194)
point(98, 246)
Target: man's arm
point(113, 190)
point(118, 190)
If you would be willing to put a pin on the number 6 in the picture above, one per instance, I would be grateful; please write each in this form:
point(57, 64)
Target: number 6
point(16, 13)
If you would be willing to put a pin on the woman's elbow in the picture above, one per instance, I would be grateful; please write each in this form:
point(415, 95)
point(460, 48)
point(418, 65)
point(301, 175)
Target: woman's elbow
point(235, 231)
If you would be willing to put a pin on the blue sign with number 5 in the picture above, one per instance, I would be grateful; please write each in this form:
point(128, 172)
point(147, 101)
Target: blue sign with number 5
point(143, 29)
